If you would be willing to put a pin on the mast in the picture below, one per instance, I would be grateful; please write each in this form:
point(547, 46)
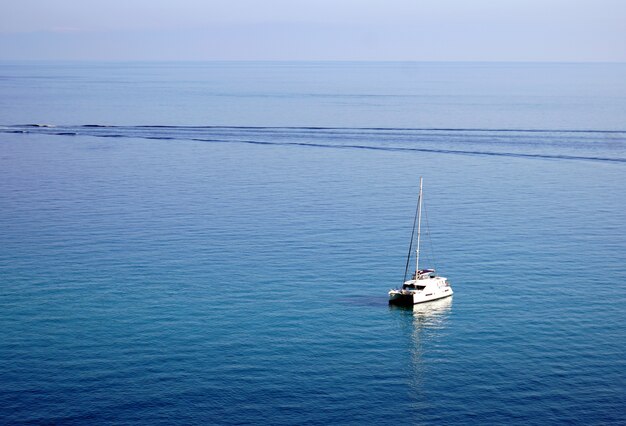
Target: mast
point(419, 226)
point(408, 255)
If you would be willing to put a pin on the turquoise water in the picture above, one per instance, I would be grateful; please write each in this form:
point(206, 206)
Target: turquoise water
point(238, 274)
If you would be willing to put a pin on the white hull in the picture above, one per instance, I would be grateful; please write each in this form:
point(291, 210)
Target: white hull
point(414, 299)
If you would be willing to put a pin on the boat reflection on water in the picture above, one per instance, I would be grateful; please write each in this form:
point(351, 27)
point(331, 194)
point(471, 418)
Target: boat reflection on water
point(426, 334)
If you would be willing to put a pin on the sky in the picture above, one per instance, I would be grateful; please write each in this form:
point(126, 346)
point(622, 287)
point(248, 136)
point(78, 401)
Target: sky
point(373, 30)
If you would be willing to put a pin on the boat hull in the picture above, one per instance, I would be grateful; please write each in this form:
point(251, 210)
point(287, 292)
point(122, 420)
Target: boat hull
point(414, 298)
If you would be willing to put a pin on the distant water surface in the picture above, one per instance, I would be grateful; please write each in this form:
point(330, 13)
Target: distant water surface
point(330, 94)
point(232, 267)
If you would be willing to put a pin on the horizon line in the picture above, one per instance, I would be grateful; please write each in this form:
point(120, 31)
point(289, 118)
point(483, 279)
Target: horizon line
point(517, 61)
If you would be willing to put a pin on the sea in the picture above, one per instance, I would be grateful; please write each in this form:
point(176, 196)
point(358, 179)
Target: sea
point(213, 243)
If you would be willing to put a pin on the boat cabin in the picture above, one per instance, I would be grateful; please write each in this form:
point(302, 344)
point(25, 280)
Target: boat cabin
point(413, 287)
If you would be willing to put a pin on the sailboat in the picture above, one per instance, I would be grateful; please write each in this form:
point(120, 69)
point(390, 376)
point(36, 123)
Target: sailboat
point(425, 285)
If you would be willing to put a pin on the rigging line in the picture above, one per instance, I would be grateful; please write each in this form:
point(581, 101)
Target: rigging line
point(432, 247)
point(408, 257)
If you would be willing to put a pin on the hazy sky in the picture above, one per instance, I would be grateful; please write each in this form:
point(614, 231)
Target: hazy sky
point(431, 30)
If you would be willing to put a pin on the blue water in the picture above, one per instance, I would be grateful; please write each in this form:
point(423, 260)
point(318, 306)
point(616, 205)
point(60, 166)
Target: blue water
point(232, 267)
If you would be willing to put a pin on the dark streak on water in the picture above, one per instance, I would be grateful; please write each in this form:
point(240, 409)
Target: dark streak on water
point(547, 144)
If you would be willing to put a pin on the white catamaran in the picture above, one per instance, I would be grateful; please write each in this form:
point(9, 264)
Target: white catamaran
point(425, 285)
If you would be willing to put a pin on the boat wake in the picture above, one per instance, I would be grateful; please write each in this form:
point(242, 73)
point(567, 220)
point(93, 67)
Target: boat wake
point(586, 145)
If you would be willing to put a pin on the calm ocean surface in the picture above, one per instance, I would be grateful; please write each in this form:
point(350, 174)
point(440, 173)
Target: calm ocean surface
point(213, 243)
